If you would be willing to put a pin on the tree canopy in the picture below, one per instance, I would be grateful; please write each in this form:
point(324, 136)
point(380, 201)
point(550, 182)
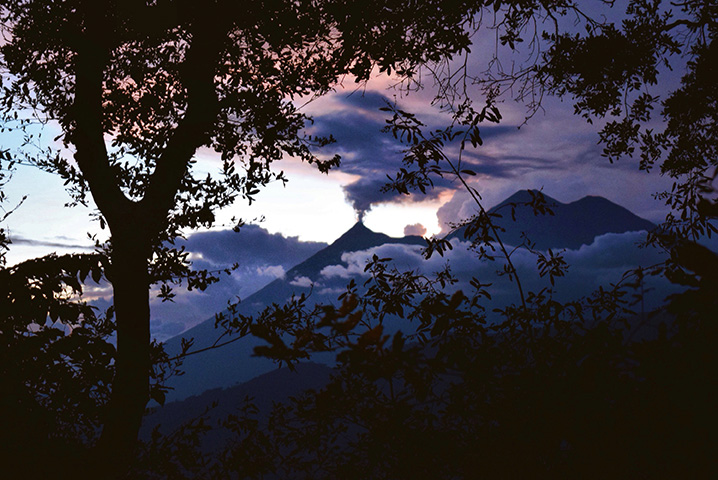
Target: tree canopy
point(137, 88)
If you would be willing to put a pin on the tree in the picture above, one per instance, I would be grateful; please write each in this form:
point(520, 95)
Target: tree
point(166, 78)
point(138, 87)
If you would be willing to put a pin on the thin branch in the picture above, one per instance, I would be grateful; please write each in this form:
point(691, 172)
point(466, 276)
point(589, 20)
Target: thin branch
point(214, 346)
point(507, 256)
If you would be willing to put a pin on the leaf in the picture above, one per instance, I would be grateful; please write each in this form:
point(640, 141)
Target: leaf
point(96, 273)
point(371, 337)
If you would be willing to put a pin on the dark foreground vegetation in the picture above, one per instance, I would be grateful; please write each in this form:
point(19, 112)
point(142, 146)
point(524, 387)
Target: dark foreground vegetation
point(548, 390)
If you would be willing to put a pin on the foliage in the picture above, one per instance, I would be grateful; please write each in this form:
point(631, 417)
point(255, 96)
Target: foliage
point(136, 88)
point(550, 389)
point(589, 388)
point(56, 359)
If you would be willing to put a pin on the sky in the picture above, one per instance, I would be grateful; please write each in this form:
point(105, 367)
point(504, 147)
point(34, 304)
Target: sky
point(553, 151)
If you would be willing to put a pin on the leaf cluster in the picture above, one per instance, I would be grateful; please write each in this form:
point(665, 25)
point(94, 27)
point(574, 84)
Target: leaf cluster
point(56, 359)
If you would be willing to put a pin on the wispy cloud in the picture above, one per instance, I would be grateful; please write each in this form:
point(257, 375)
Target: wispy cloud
point(58, 242)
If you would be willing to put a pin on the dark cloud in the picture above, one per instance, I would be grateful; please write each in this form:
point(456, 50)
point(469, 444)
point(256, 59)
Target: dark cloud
point(369, 154)
point(365, 152)
point(555, 149)
point(373, 156)
point(252, 246)
point(368, 100)
point(490, 132)
point(359, 140)
point(366, 192)
point(558, 152)
point(506, 165)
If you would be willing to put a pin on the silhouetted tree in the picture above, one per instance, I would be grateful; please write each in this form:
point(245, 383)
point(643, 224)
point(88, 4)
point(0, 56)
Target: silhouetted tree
point(138, 87)
point(162, 79)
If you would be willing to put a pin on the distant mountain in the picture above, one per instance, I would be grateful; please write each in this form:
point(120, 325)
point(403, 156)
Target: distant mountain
point(234, 363)
point(359, 237)
point(571, 225)
point(229, 374)
point(276, 386)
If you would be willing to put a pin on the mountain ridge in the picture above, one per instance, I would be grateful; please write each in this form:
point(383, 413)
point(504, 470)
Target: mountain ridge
point(235, 363)
point(582, 220)
point(570, 226)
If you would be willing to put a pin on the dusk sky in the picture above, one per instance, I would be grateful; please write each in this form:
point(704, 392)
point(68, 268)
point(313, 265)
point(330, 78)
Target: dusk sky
point(554, 151)
point(358, 238)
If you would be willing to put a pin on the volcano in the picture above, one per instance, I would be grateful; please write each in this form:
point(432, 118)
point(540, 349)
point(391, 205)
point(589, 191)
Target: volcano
point(571, 226)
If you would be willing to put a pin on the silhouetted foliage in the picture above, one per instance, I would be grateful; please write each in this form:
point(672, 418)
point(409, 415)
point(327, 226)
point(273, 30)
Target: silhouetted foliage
point(589, 388)
point(537, 388)
point(137, 87)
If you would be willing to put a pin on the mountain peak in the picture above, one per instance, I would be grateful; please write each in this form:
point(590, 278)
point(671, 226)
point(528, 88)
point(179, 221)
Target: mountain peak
point(358, 229)
point(571, 225)
point(359, 237)
point(526, 196)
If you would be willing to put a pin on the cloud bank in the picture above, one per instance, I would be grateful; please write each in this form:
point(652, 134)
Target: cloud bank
point(262, 257)
point(600, 264)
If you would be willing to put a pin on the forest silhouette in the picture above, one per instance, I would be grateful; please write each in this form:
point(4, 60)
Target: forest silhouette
point(550, 389)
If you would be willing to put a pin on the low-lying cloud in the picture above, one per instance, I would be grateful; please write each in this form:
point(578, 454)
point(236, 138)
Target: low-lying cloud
point(262, 258)
point(600, 264)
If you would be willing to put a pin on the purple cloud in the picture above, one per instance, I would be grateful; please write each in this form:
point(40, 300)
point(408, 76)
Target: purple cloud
point(415, 229)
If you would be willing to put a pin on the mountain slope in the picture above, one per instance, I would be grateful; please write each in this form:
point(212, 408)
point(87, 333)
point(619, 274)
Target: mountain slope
point(571, 225)
point(234, 363)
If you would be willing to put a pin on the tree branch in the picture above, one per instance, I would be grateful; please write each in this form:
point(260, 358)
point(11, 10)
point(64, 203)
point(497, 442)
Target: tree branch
point(87, 135)
point(194, 129)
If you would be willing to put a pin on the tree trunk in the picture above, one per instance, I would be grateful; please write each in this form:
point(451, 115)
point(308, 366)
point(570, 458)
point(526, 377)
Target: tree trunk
point(130, 389)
